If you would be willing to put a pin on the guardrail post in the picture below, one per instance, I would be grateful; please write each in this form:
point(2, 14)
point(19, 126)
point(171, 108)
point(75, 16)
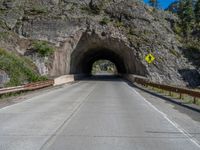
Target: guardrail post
point(180, 96)
point(170, 93)
point(195, 100)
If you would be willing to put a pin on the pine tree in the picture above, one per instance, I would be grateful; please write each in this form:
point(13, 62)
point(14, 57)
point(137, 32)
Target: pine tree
point(154, 3)
point(173, 7)
point(197, 13)
point(186, 14)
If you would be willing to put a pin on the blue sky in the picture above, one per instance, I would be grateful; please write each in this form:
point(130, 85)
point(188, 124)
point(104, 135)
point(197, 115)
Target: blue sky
point(163, 3)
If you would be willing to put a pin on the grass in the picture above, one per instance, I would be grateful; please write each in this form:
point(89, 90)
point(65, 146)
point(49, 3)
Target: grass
point(3, 24)
point(105, 21)
point(43, 48)
point(186, 98)
point(86, 9)
point(4, 35)
point(19, 69)
point(118, 24)
point(37, 9)
point(3, 96)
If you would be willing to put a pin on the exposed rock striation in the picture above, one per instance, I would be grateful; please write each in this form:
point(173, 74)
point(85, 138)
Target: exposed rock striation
point(83, 31)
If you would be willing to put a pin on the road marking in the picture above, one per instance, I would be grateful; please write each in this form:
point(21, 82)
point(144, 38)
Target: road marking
point(178, 127)
point(59, 130)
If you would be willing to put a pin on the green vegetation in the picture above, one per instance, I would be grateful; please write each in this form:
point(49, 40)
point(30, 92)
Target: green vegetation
point(189, 13)
point(118, 24)
point(104, 66)
point(105, 21)
point(3, 25)
point(177, 29)
point(37, 9)
point(73, 6)
point(43, 48)
point(197, 13)
point(19, 69)
point(184, 97)
point(187, 17)
point(88, 10)
point(4, 35)
point(131, 31)
point(188, 27)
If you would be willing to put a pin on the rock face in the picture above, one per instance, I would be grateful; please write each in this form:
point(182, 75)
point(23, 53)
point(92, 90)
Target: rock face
point(4, 78)
point(83, 31)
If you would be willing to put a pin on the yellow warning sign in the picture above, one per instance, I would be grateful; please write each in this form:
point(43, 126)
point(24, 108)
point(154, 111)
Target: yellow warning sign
point(149, 58)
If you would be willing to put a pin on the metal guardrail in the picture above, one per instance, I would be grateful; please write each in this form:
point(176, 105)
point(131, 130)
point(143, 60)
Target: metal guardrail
point(11, 90)
point(181, 91)
point(27, 87)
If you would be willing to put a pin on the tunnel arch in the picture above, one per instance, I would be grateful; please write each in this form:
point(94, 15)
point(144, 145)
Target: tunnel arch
point(84, 65)
point(93, 47)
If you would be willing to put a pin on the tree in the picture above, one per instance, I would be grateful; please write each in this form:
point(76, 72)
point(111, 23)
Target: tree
point(154, 3)
point(197, 13)
point(173, 7)
point(197, 19)
point(186, 15)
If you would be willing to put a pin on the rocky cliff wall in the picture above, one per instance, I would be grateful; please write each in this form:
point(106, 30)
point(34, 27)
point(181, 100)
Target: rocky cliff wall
point(126, 30)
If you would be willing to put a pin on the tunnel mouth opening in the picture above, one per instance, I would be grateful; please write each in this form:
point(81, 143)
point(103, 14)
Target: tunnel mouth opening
point(104, 67)
point(91, 47)
point(83, 62)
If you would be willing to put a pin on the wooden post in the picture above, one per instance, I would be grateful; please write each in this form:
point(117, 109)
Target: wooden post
point(180, 96)
point(195, 100)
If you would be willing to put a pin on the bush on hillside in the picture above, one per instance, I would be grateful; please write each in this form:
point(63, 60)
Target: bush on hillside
point(19, 69)
point(43, 48)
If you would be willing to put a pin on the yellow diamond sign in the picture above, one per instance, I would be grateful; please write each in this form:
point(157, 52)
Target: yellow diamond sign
point(149, 58)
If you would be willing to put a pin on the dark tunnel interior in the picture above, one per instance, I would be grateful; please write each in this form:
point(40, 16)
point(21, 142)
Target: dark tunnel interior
point(83, 64)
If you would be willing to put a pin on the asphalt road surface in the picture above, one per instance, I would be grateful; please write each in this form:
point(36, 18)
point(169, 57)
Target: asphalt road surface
point(92, 115)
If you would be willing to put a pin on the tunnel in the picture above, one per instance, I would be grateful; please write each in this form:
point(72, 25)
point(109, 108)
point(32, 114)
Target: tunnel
point(84, 65)
point(92, 48)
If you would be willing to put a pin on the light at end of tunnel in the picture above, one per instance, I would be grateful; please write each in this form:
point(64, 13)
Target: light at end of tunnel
point(104, 67)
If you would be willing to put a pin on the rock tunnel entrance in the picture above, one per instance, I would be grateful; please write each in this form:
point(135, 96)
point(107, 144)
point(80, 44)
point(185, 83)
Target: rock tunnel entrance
point(91, 48)
point(85, 63)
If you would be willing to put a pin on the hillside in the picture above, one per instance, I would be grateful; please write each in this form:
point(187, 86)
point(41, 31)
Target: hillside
point(68, 26)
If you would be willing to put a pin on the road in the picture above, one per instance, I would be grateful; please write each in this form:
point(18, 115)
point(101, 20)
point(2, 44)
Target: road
point(91, 115)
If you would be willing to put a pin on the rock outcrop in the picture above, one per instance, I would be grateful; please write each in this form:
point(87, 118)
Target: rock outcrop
point(4, 78)
point(82, 31)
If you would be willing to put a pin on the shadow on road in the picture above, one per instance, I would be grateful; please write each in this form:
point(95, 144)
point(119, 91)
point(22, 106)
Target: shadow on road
point(103, 78)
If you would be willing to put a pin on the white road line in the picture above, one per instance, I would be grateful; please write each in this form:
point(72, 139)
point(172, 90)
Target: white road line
point(65, 123)
point(178, 127)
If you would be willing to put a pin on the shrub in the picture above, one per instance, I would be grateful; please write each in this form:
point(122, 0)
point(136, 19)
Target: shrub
point(43, 48)
point(119, 24)
point(36, 9)
point(87, 10)
point(105, 21)
point(19, 69)
point(4, 35)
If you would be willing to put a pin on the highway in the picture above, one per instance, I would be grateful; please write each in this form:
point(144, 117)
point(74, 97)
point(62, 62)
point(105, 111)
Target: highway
point(94, 115)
